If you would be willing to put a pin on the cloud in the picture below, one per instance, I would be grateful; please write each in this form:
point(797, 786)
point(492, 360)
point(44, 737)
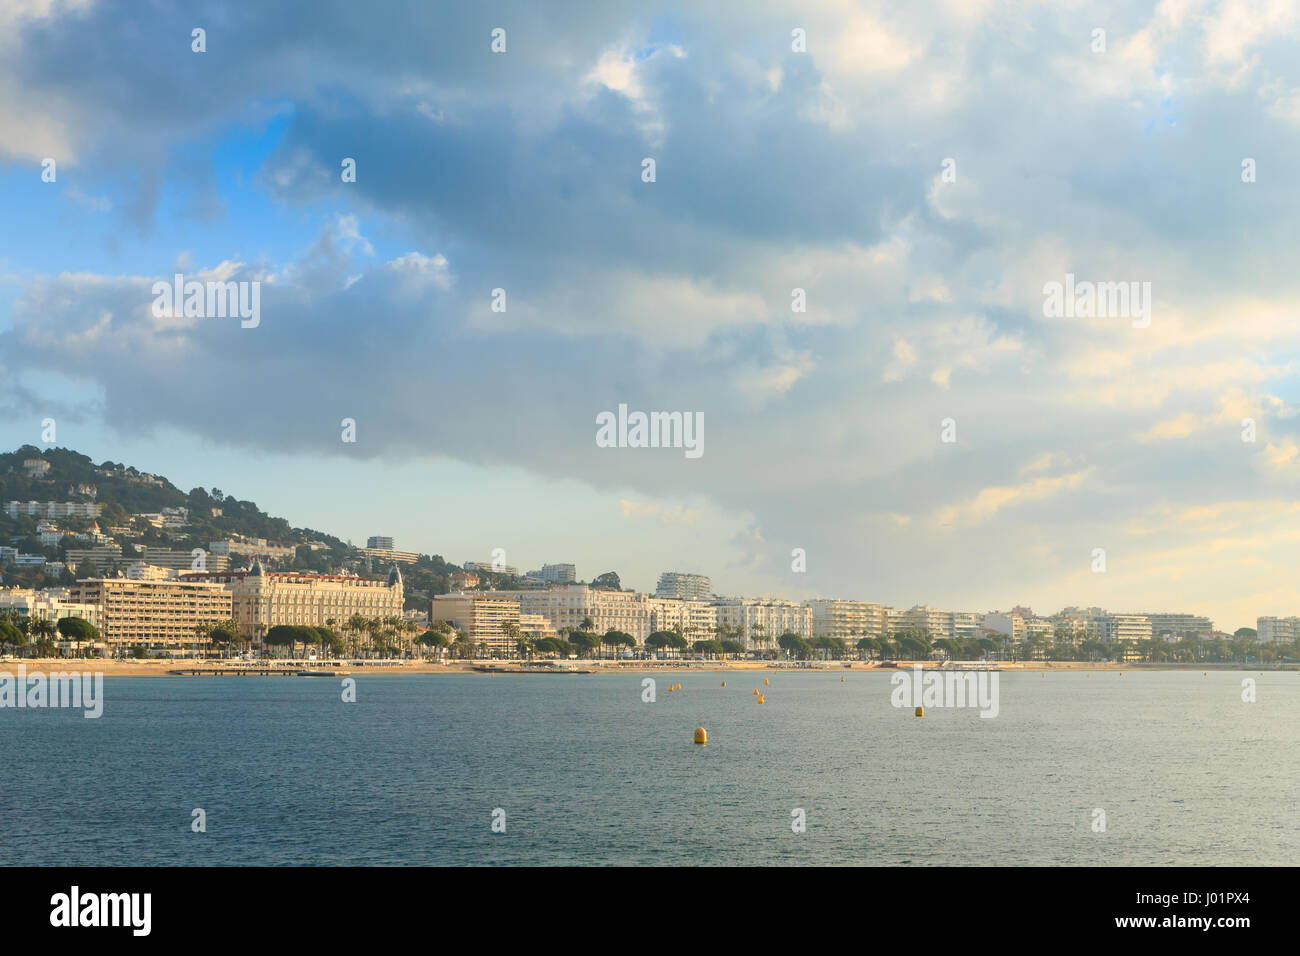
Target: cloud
point(775, 170)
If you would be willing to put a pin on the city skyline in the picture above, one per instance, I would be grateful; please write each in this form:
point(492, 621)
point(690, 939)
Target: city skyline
point(673, 584)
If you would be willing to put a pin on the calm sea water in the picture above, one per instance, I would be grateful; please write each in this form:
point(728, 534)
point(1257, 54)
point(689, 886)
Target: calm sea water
point(589, 774)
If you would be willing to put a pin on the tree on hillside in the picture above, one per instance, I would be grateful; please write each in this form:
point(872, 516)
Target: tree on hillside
point(609, 581)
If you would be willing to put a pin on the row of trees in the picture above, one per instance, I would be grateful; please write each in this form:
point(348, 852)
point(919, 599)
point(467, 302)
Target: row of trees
point(20, 633)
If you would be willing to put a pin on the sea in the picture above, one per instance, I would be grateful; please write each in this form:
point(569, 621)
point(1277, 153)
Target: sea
point(1135, 768)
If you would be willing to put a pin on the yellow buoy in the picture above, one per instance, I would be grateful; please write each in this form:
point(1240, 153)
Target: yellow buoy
point(701, 735)
point(755, 691)
point(724, 683)
point(920, 711)
point(760, 699)
point(766, 681)
point(841, 680)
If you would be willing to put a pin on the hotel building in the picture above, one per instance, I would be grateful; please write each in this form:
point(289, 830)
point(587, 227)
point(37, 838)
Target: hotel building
point(49, 605)
point(694, 620)
point(262, 599)
point(483, 620)
point(153, 613)
point(756, 622)
point(636, 614)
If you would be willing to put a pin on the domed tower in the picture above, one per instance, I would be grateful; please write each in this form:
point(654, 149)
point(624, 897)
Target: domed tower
point(395, 591)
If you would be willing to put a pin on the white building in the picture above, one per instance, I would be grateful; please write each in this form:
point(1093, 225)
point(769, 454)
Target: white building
point(1273, 630)
point(1124, 627)
point(1175, 627)
point(636, 614)
point(53, 509)
point(759, 622)
point(1009, 625)
point(555, 574)
point(684, 587)
point(850, 621)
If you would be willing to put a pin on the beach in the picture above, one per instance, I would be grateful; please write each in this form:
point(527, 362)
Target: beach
point(355, 668)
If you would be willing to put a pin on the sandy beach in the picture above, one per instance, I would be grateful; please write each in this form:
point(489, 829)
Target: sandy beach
point(162, 668)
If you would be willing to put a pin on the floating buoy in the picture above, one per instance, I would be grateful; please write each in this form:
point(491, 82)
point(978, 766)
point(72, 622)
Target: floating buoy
point(701, 735)
point(920, 711)
point(760, 699)
point(724, 683)
point(755, 691)
point(841, 680)
point(766, 681)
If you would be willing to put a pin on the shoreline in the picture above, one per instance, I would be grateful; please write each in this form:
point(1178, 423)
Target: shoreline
point(349, 668)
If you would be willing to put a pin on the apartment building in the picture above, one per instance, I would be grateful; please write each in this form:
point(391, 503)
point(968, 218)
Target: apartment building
point(101, 556)
point(569, 606)
point(1175, 627)
point(535, 627)
point(54, 509)
point(262, 599)
point(684, 587)
point(1273, 630)
point(1124, 627)
point(555, 574)
point(967, 625)
point(153, 613)
point(1010, 625)
point(694, 620)
point(252, 548)
point(758, 622)
point(485, 567)
point(181, 560)
point(389, 555)
point(850, 621)
point(483, 620)
point(936, 624)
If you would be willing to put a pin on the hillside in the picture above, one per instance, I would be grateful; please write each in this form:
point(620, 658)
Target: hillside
point(124, 492)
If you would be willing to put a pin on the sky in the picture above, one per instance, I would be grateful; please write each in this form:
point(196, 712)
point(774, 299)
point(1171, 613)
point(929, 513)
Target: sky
point(922, 171)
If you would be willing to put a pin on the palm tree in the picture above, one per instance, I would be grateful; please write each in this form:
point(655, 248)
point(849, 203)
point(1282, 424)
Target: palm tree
point(510, 630)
